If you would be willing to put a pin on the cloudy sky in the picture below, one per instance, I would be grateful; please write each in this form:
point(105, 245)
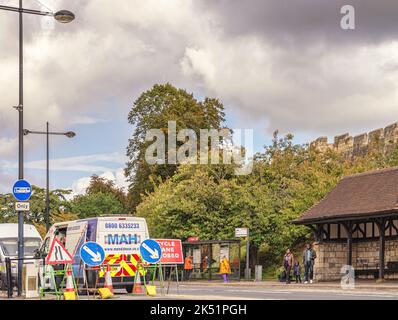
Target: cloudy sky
point(275, 64)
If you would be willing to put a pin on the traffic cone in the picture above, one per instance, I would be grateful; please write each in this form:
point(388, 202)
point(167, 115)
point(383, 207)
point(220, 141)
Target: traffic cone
point(137, 288)
point(108, 279)
point(69, 293)
point(107, 291)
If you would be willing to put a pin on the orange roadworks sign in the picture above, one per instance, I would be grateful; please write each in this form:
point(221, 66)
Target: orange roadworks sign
point(58, 254)
point(171, 251)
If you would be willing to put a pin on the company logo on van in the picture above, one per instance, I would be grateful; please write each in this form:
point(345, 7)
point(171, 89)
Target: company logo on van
point(119, 239)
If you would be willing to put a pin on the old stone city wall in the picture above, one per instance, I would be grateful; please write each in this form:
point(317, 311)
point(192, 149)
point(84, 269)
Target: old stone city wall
point(384, 140)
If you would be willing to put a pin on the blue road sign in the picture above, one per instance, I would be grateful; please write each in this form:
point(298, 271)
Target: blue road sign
point(92, 254)
point(22, 190)
point(151, 251)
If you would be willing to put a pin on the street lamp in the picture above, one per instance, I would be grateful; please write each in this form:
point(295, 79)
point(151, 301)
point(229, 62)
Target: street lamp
point(69, 134)
point(62, 16)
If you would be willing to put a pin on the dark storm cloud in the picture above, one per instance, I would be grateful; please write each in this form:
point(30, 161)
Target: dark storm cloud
point(308, 21)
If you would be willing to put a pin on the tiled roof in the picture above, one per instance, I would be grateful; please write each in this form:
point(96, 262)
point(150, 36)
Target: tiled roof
point(364, 194)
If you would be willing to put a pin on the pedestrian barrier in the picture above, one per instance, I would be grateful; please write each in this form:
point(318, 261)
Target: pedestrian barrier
point(9, 278)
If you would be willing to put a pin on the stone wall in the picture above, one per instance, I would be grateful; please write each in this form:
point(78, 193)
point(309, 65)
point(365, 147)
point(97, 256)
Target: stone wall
point(378, 140)
point(332, 256)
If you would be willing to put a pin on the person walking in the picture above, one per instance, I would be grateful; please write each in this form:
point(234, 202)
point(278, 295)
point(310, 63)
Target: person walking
point(309, 256)
point(288, 264)
point(297, 271)
point(188, 267)
point(225, 268)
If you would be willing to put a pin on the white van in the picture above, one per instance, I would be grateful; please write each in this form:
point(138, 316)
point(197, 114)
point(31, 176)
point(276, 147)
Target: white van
point(120, 236)
point(9, 247)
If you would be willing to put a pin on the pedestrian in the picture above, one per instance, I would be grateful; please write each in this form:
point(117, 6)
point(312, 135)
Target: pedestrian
point(309, 256)
point(205, 263)
point(288, 264)
point(297, 271)
point(225, 268)
point(188, 267)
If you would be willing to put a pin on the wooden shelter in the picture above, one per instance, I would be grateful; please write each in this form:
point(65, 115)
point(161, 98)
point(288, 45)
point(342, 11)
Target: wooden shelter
point(359, 216)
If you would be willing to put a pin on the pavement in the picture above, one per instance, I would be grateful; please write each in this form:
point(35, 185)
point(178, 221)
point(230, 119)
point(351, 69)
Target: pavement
point(267, 290)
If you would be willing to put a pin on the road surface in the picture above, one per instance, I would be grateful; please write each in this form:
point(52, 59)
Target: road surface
point(248, 292)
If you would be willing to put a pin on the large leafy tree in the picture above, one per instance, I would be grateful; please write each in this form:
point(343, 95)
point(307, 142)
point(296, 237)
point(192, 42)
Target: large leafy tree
point(102, 197)
point(97, 204)
point(153, 110)
point(209, 202)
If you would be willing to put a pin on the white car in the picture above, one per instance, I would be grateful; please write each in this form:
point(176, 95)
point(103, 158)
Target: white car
point(9, 248)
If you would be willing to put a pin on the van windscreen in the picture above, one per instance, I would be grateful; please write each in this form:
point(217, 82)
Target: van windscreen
point(10, 246)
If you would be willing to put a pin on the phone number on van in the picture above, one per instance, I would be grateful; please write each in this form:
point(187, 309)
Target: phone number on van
point(122, 225)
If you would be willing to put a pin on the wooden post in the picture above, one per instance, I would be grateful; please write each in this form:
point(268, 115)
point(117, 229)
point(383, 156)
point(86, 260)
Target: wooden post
point(348, 228)
point(381, 224)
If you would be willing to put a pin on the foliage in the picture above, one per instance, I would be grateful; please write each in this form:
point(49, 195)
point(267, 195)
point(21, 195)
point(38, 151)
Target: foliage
point(287, 180)
point(153, 110)
point(58, 205)
point(96, 204)
point(102, 197)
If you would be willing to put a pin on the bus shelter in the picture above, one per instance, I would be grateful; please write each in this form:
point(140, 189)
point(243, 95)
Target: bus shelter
point(207, 255)
point(356, 225)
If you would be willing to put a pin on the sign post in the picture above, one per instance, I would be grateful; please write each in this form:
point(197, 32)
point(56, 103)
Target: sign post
point(172, 256)
point(57, 256)
point(22, 191)
point(151, 252)
point(244, 233)
point(92, 254)
point(22, 206)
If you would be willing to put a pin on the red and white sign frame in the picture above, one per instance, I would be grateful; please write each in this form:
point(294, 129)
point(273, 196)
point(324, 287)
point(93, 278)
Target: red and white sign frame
point(66, 259)
point(172, 253)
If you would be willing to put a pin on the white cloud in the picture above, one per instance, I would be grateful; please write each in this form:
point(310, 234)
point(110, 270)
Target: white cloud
point(93, 68)
point(74, 69)
point(8, 146)
point(81, 163)
point(85, 120)
point(117, 176)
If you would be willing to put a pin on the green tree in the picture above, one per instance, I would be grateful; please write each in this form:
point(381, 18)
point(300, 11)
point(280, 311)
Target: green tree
point(58, 205)
point(102, 185)
point(102, 197)
point(153, 110)
point(96, 204)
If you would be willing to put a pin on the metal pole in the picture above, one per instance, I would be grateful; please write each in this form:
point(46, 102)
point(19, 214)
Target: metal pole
point(21, 156)
point(48, 181)
point(247, 258)
point(10, 287)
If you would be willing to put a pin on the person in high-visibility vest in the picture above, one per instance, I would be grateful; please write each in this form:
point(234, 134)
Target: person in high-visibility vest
point(225, 268)
point(188, 267)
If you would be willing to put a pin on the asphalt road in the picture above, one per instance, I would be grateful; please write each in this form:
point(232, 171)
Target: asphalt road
point(225, 292)
point(242, 292)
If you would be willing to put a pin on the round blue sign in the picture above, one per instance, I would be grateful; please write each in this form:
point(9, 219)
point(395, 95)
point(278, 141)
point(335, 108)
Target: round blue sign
point(151, 251)
point(92, 254)
point(22, 190)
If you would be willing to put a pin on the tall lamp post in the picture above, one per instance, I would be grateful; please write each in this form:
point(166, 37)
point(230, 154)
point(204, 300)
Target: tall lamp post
point(62, 16)
point(68, 134)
